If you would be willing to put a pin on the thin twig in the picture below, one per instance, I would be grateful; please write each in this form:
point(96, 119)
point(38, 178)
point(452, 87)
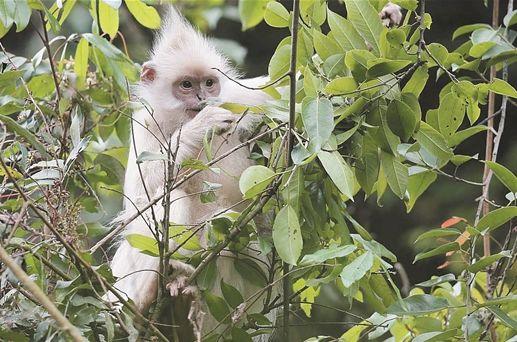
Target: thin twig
point(286, 283)
point(40, 296)
point(252, 88)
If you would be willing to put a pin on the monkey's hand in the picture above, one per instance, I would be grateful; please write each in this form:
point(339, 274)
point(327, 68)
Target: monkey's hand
point(212, 118)
point(391, 15)
point(179, 286)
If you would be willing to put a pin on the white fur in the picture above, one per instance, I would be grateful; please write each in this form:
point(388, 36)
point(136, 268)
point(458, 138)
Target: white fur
point(391, 14)
point(178, 50)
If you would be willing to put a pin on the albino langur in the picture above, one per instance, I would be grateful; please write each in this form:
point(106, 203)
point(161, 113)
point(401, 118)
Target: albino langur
point(176, 82)
point(180, 76)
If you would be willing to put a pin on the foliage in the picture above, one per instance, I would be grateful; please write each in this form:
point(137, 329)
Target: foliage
point(359, 130)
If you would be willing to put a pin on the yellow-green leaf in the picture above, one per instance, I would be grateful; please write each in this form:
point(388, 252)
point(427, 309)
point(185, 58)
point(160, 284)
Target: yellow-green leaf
point(144, 14)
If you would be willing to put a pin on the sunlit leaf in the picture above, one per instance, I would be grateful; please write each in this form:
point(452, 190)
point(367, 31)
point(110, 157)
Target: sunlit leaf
point(251, 12)
point(254, 180)
point(357, 269)
point(276, 15)
point(146, 15)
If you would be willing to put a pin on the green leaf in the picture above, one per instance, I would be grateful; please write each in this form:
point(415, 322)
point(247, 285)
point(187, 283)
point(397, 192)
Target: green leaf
point(324, 45)
point(146, 15)
point(276, 15)
point(344, 33)
point(251, 12)
point(418, 305)
point(81, 59)
point(13, 126)
point(357, 269)
point(479, 50)
point(439, 52)
point(437, 280)
point(504, 317)
point(433, 142)
point(318, 120)
point(506, 176)
point(448, 247)
point(509, 299)
point(367, 168)
point(311, 83)
point(7, 13)
point(279, 63)
point(436, 336)
point(109, 50)
point(251, 271)
point(462, 30)
point(145, 244)
point(254, 180)
point(293, 191)
point(206, 278)
point(185, 237)
point(396, 37)
point(8, 78)
point(287, 235)
point(473, 111)
point(52, 23)
point(22, 14)
point(232, 296)
point(217, 307)
point(417, 184)
point(402, 120)
point(327, 253)
point(460, 136)
point(450, 114)
point(496, 218)
point(339, 171)
point(42, 85)
point(108, 19)
point(381, 66)
point(439, 232)
point(483, 263)
point(510, 18)
point(366, 19)
point(341, 85)
point(396, 173)
point(417, 82)
point(239, 334)
point(503, 88)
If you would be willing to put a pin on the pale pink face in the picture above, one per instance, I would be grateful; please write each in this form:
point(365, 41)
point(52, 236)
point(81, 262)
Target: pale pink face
point(192, 90)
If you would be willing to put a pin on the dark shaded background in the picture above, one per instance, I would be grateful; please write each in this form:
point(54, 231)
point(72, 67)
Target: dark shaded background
point(389, 224)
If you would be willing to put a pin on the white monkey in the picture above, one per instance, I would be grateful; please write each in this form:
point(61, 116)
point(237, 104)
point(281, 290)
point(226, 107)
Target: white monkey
point(176, 82)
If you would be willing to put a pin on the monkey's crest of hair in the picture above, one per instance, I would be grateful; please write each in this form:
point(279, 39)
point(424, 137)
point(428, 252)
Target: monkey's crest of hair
point(181, 48)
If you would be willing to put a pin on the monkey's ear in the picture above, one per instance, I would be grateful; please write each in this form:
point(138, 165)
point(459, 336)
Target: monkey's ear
point(148, 73)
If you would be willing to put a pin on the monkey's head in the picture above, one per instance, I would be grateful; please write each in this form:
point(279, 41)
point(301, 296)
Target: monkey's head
point(181, 74)
point(190, 89)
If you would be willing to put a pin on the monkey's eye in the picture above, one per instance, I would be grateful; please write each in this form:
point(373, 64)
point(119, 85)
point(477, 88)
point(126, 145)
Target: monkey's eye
point(209, 82)
point(186, 84)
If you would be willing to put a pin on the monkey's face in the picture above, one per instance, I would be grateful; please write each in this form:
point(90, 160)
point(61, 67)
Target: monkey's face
point(193, 90)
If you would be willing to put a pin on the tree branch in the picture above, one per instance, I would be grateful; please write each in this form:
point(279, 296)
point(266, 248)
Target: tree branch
point(40, 296)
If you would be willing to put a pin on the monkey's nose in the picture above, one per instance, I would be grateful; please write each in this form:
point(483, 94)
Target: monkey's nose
point(199, 97)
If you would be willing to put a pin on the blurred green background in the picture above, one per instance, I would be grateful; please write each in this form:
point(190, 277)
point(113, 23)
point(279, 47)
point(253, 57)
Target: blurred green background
point(251, 51)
